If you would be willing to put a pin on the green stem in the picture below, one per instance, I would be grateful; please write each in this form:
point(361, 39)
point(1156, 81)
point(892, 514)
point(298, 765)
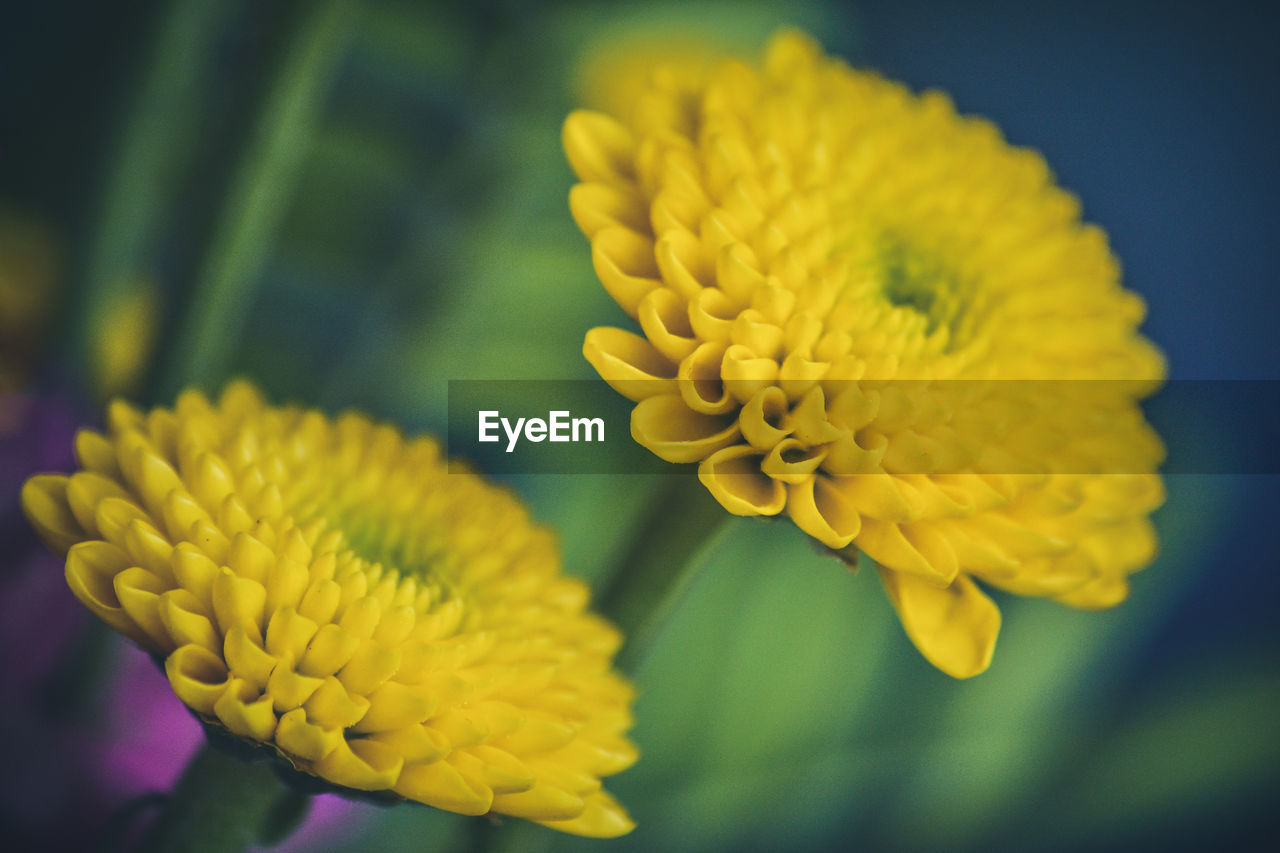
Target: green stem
point(667, 551)
point(222, 804)
point(148, 160)
point(222, 297)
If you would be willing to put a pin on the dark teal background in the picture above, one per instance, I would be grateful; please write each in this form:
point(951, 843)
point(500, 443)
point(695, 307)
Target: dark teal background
point(412, 228)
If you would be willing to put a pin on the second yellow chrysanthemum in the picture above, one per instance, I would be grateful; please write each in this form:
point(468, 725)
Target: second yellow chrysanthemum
point(329, 589)
point(835, 280)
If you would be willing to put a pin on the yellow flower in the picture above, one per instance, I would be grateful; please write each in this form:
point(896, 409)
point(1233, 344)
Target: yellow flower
point(835, 279)
point(329, 588)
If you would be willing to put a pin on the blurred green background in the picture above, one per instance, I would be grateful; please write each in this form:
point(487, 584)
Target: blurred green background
point(353, 203)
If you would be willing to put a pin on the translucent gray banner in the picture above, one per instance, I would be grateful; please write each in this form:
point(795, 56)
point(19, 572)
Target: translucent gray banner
point(895, 426)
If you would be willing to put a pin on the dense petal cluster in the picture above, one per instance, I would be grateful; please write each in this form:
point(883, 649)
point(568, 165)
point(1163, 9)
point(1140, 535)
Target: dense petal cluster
point(330, 588)
point(867, 311)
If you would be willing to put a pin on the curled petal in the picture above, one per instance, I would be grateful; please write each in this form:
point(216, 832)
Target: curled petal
point(300, 737)
point(244, 712)
point(712, 314)
point(821, 511)
point(601, 205)
point(625, 263)
point(738, 272)
point(798, 374)
point(847, 456)
point(198, 676)
point(791, 461)
point(809, 420)
point(44, 500)
point(753, 331)
point(139, 593)
point(699, 380)
point(763, 418)
point(664, 319)
point(629, 363)
point(915, 549)
point(599, 148)
point(361, 764)
point(745, 374)
point(679, 257)
point(734, 477)
point(666, 426)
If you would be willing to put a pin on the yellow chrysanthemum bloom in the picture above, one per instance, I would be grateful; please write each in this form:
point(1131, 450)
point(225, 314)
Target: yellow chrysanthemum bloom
point(834, 279)
point(328, 588)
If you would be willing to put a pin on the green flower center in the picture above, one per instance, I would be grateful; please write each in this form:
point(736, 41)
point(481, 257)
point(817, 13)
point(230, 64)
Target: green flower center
point(924, 282)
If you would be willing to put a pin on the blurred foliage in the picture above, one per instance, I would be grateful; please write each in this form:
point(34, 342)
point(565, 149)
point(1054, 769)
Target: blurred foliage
point(355, 202)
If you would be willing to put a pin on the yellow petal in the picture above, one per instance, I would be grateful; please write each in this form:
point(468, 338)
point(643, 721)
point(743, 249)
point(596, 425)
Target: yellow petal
point(320, 601)
point(242, 710)
point(701, 387)
point(328, 651)
point(762, 419)
point(602, 817)
point(417, 743)
point(95, 453)
point(600, 149)
point(333, 706)
point(287, 689)
point(1097, 594)
point(629, 363)
point(245, 656)
point(954, 627)
point(439, 784)
point(664, 320)
point(626, 266)
point(238, 601)
point(296, 736)
point(84, 491)
point(288, 633)
point(250, 558)
point(150, 550)
point(91, 570)
point(599, 205)
point(746, 373)
point(369, 667)
point(186, 622)
point(139, 593)
point(537, 733)
point(503, 772)
point(44, 500)
point(542, 802)
point(711, 315)
point(733, 476)
point(886, 542)
point(679, 257)
point(821, 511)
point(198, 676)
point(360, 764)
point(666, 426)
point(394, 706)
point(791, 461)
